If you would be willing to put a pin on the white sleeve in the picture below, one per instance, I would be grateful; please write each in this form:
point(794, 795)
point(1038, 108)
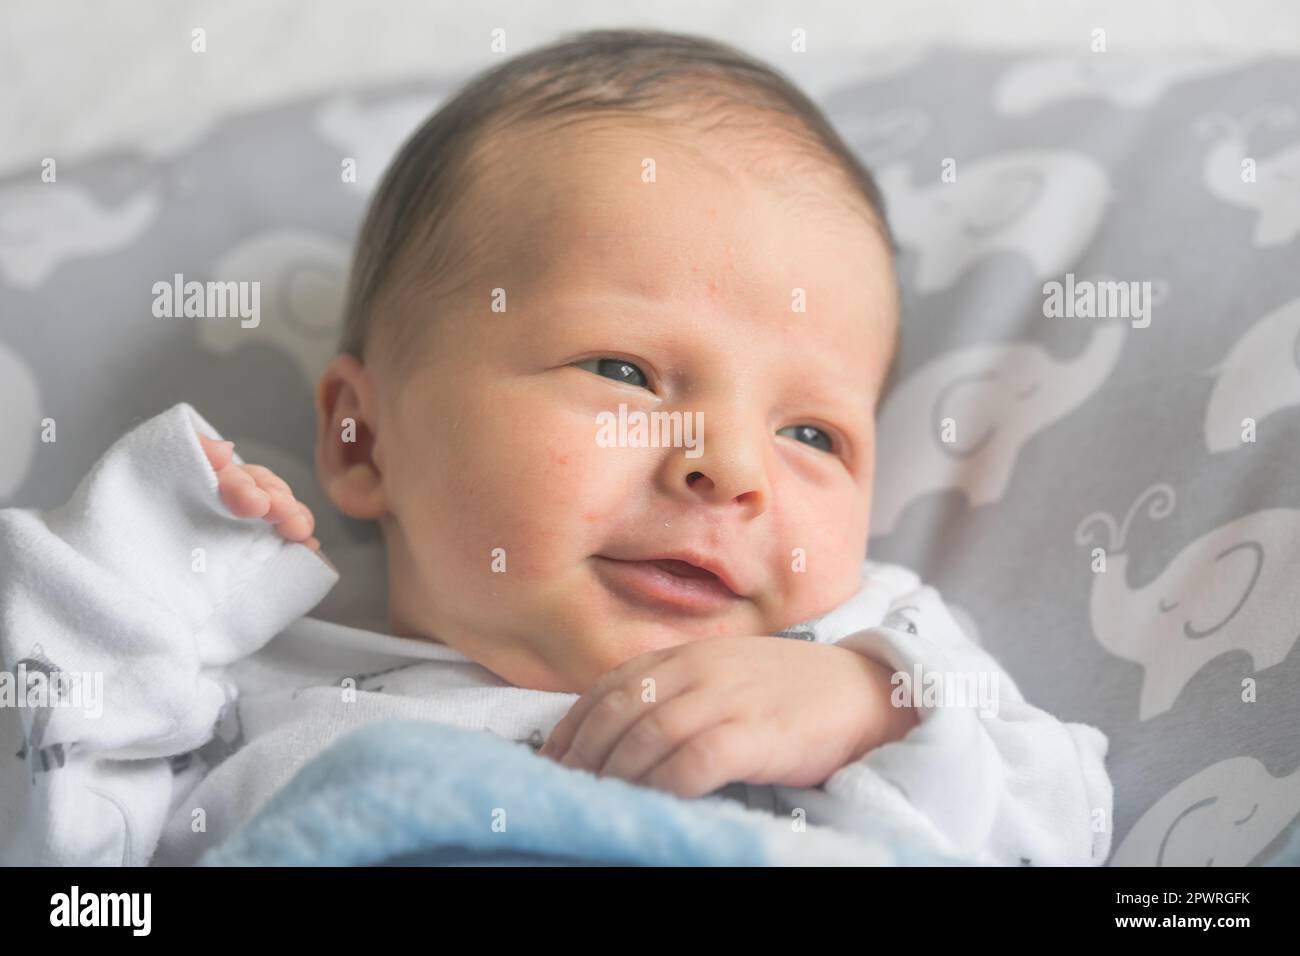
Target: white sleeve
point(118, 613)
point(989, 777)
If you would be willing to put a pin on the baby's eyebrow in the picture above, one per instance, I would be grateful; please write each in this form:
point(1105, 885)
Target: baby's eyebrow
point(854, 411)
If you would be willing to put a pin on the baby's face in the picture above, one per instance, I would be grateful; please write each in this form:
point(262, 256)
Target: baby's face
point(516, 532)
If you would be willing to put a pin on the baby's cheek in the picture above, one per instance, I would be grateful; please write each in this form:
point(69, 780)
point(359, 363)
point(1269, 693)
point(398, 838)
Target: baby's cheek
point(536, 516)
point(820, 557)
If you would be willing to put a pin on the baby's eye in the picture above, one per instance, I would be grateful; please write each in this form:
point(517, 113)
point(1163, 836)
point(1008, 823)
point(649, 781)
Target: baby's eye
point(616, 369)
point(814, 436)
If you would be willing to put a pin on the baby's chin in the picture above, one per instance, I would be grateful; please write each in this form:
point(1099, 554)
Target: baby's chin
point(624, 632)
point(620, 640)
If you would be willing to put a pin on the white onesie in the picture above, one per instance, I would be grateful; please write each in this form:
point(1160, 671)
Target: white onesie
point(182, 686)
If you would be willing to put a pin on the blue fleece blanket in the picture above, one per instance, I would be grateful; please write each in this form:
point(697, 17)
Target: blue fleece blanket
point(409, 791)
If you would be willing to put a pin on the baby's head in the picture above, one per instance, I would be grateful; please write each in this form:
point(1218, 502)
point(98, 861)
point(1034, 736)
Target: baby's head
point(624, 219)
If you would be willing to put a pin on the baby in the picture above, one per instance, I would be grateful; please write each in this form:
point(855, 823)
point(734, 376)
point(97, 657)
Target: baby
point(623, 224)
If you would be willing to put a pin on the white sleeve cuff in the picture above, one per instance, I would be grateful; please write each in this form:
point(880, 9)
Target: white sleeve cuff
point(1001, 780)
point(149, 511)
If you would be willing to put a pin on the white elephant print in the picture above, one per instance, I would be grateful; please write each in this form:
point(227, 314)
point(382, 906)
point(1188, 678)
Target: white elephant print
point(1258, 377)
point(303, 276)
point(44, 224)
point(1043, 204)
point(1232, 589)
point(997, 397)
point(1275, 194)
point(1226, 815)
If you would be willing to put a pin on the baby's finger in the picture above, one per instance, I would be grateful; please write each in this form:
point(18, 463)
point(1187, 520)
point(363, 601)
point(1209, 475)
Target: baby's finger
point(628, 680)
point(652, 739)
point(602, 727)
point(219, 453)
point(241, 494)
point(298, 527)
point(283, 506)
point(268, 480)
point(562, 734)
point(725, 753)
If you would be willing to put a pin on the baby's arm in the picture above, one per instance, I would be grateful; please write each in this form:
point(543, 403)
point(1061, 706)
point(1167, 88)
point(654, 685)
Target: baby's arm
point(1007, 784)
point(125, 605)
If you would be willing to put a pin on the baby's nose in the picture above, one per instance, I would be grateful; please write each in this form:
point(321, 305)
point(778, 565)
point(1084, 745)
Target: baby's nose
point(722, 476)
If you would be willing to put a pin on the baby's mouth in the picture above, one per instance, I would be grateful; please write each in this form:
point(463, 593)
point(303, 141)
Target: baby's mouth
point(665, 584)
point(684, 569)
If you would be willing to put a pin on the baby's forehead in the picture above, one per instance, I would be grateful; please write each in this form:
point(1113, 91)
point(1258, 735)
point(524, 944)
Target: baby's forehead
point(645, 211)
point(650, 150)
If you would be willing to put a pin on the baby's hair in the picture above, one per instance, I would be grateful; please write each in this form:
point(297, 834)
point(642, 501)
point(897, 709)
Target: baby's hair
point(596, 74)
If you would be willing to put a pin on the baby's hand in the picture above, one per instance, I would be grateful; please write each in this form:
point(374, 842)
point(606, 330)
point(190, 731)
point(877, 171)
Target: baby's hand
point(725, 709)
point(251, 491)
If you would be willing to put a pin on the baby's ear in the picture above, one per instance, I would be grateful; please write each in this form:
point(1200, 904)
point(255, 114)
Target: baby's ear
point(346, 431)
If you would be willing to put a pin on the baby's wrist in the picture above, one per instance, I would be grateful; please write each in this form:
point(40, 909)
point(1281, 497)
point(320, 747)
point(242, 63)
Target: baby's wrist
point(886, 720)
